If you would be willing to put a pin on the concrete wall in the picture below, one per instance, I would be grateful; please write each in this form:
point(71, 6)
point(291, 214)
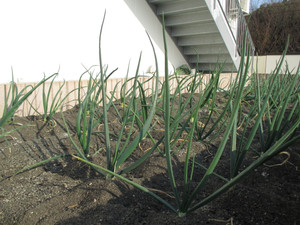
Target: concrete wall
point(267, 64)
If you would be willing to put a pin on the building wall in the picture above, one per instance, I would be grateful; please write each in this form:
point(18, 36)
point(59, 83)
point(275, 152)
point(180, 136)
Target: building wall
point(40, 37)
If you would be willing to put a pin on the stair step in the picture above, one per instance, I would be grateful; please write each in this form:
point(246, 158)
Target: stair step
point(188, 18)
point(159, 1)
point(175, 7)
point(210, 59)
point(205, 49)
point(204, 39)
point(194, 29)
point(209, 67)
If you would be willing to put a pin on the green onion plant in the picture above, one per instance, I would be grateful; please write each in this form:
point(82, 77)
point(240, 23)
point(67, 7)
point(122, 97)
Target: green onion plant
point(14, 99)
point(129, 117)
point(188, 189)
point(272, 115)
point(57, 101)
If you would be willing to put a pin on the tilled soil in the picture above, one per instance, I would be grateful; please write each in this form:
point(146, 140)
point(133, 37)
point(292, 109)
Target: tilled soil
point(66, 191)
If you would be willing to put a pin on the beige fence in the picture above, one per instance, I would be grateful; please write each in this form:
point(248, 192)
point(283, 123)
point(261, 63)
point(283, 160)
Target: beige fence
point(35, 99)
point(266, 64)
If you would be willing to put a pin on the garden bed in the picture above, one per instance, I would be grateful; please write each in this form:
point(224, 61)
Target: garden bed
point(67, 191)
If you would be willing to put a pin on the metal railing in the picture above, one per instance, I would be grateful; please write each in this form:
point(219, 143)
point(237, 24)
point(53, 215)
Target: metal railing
point(233, 11)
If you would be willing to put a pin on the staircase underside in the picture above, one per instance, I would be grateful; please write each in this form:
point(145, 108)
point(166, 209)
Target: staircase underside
point(195, 33)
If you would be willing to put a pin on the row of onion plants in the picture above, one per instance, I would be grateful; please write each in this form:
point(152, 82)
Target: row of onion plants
point(273, 116)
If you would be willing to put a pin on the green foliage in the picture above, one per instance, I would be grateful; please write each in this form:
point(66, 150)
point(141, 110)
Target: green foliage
point(272, 115)
point(185, 197)
point(271, 24)
point(183, 70)
point(56, 102)
point(90, 116)
point(14, 99)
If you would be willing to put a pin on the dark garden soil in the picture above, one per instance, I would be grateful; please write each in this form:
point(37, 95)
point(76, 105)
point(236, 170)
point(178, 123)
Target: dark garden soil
point(66, 191)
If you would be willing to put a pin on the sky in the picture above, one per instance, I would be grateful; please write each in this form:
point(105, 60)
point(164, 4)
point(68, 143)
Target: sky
point(255, 4)
point(43, 37)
